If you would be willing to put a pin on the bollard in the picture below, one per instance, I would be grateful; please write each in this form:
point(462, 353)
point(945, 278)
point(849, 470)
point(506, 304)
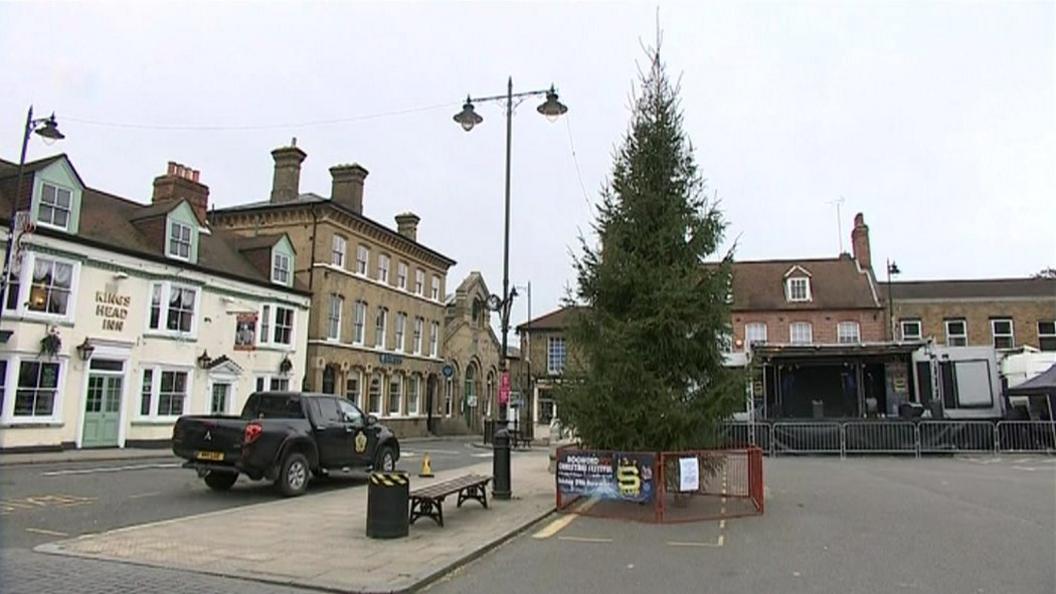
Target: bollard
point(501, 464)
point(387, 500)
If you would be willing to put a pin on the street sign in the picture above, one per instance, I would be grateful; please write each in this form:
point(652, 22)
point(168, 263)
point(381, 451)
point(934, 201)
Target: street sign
point(448, 371)
point(504, 388)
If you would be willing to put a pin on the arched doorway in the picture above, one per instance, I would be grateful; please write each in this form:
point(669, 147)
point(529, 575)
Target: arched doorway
point(430, 403)
point(469, 396)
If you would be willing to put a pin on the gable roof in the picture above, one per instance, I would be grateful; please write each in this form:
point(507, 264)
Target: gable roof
point(107, 222)
point(973, 288)
point(835, 283)
point(555, 320)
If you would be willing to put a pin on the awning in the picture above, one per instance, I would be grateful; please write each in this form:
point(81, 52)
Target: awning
point(765, 353)
point(1043, 383)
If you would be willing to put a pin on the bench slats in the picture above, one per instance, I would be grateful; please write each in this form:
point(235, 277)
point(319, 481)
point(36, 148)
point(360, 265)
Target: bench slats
point(429, 500)
point(449, 487)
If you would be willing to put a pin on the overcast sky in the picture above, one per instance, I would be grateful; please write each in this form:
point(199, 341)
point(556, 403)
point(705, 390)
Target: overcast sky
point(938, 121)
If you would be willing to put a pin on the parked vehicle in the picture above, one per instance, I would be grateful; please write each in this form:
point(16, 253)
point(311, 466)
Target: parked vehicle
point(283, 437)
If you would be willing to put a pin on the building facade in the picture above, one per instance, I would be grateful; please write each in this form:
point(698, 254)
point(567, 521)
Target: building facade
point(472, 350)
point(121, 316)
point(543, 363)
point(377, 312)
point(1003, 313)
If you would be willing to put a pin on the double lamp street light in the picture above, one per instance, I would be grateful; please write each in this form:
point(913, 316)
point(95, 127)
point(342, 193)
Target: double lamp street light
point(468, 118)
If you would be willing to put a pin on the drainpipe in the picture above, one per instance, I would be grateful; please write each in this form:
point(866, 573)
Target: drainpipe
point(311, 262)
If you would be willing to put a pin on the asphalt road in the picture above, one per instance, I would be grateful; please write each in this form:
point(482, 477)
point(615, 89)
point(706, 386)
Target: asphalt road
point(45, 502)
point(867, 525)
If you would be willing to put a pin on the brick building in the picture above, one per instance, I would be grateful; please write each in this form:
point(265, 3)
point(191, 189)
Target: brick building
point(377, 293)
point(1003, 313)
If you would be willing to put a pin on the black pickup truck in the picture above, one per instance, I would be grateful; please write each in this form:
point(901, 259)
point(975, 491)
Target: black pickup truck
point(284, 437)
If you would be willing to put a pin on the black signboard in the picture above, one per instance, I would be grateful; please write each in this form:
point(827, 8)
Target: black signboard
point(626, 476)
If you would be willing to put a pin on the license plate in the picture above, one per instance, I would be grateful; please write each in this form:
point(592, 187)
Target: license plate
point(214, 456)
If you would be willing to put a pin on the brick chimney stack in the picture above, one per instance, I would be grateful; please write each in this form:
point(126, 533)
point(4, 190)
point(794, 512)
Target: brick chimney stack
point(347, 187)
point(407, 225)
point(860, 242)
point(285, 185)
point(181, 183)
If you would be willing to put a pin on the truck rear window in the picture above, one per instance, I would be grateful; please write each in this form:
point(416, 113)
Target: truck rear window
point(273, 406)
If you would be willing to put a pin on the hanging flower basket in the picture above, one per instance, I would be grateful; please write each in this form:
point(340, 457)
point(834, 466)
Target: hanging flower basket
point(51, 343)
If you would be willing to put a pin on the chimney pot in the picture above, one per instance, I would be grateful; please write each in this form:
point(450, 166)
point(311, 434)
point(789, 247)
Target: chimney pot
point(407, 225)
point(860, 242)
point(347, 187)
point(181, 183)
point(285, 184)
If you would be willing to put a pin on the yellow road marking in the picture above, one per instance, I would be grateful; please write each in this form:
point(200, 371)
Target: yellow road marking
point(583, 539)
point(46, 532)
point(561, 523)
point(718, 543)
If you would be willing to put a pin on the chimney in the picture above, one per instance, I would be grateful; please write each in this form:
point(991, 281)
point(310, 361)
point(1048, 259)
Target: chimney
point(181, 183)
point(407, 225)
point(285, 186)
point(860, 242)
point(347, 188)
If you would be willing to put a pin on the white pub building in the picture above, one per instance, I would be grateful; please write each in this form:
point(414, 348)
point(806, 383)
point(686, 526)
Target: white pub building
point(121, 316)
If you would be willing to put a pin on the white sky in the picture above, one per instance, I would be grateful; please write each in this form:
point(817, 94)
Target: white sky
point(938, 121)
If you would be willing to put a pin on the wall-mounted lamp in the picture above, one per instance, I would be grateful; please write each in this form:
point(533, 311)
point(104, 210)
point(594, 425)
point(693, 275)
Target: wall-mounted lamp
point(85, 349)
point(204, 360)
point(285, 366)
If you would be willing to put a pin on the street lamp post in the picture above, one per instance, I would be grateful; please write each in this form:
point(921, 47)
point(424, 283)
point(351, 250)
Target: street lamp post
point(46, 128)
point(468, 118)
point(892, 268)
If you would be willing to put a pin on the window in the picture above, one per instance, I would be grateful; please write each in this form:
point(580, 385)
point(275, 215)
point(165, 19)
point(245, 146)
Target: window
point(37, 389)
point(276, 325)
point(435, 290)
point(280, 268)
point(352, 387)
point(330, 380)
point(395, 394)
point(349, 413)
point(178, 305)
point(380, 323)
point(383, 268)
point(910, 329)
point(337, 251)
point(448, 396)
point(848, 333)
point(419, 324)
point(555, 355)
point(434, 333)
point(361, 320)
point(55, 206)
point(362, 256)
point(50, 287)
point(401, 318)
point(374, 395)
point(966, 384)
point(419, 282)
point(179, 240)
point(333, 321)
point(800, 333)
point(798, 289)
point(754, 332)
point(1002, 331)
point(221, 392)
point(413, 383)
point(164, 392)
point(272, 383)
point(956, 333)
point(401, 275)
point(3, 382)
point(1047, 335)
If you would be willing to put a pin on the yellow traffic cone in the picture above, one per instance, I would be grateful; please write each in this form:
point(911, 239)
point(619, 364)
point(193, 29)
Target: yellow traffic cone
point(427, 470)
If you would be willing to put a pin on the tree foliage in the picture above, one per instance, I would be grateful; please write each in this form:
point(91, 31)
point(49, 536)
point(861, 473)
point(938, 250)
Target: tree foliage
point(645, 350)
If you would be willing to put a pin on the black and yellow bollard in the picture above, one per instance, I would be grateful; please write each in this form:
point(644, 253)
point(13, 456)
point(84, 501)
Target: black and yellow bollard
point(387, 501)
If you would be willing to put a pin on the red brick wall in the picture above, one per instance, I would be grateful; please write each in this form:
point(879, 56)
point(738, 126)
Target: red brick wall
point(871, 323)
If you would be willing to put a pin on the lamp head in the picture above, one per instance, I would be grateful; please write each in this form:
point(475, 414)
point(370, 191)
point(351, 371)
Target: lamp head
point(49, 129)
point(467, 118)
point(552, 108)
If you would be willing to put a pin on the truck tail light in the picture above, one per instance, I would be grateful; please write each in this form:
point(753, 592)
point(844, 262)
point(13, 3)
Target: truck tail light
point(252, 432)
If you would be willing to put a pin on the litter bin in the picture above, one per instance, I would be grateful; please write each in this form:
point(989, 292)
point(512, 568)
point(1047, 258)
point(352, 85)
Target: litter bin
point(387, 512)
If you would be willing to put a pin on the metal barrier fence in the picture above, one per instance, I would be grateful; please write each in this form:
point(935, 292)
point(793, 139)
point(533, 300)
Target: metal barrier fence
point(885, 437)
point(1026, 436)
point(891, 437)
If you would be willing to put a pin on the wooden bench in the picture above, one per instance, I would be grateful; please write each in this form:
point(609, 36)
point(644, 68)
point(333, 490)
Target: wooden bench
point(519, 439)
point(429, 500)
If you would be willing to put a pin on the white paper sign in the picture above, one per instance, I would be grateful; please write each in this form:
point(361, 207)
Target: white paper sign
point(689, 474)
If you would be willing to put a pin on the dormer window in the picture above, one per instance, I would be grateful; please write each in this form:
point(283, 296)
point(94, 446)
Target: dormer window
point(55, 206)
point(280, 268)
point(798, 288)
point(179, 240)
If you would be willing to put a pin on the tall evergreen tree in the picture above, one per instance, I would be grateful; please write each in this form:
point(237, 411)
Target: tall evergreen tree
point(645, 351)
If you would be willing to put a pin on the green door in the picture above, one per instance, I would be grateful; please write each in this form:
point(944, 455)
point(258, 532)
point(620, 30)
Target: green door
point(102, 411)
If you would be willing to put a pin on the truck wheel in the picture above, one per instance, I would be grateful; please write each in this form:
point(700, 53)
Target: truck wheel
point(385, 459)
point(220, 481)
point(293, 475)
